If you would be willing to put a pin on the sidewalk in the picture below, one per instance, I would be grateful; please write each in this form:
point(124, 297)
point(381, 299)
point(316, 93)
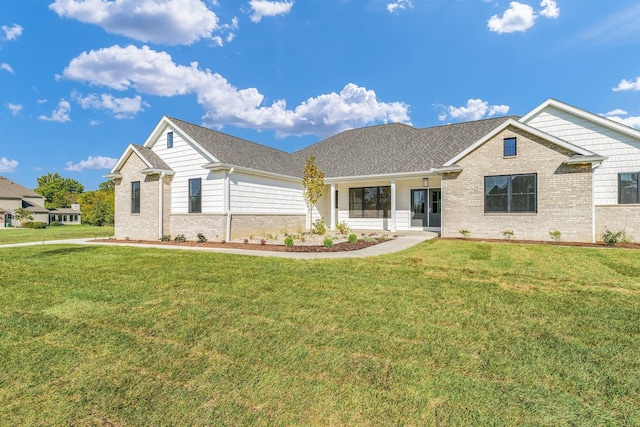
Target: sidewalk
point(395, 245)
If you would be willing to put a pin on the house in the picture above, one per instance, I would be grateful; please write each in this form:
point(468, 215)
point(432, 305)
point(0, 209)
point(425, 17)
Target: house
point(66, 216)
point(556, 168)
point(14, 196)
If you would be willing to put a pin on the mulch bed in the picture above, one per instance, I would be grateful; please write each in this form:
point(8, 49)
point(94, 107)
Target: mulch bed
point(543, 242)
point(337, 247)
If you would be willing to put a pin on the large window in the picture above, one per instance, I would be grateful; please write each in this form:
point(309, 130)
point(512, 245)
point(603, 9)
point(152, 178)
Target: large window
point(628, 190)
point(510, 193)
point(195, 195)
point(370, 202)
point(135, 197)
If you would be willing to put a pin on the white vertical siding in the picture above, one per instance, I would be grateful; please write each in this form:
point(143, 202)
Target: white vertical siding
point(623, 151)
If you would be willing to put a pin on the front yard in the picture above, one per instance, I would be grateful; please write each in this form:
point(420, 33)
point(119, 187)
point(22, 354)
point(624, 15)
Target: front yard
point(446, 333)
point(21, 235)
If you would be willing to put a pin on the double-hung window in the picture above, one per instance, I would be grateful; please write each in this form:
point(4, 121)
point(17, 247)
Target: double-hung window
point(135, 197)
point(510, 193)
point(370, 202)
point(628, 190)
point(195, 195)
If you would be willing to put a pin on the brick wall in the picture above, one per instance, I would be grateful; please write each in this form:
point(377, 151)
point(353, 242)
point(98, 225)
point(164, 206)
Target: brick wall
point(564, 195)
point(617, 218)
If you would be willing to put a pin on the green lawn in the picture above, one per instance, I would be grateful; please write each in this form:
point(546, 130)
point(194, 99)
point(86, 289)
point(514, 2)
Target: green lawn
point(21, 235)
point(449, 333)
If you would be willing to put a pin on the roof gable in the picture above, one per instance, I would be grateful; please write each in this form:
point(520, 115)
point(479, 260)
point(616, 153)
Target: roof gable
point(12, 190)
point(148, 157)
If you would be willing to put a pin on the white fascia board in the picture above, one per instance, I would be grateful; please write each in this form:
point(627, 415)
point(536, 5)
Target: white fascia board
point(582, 160)
point(619, 127)
point(166, 122)
point(400, 175)
point(216, 166)
point(526, 128)
point(155, 171)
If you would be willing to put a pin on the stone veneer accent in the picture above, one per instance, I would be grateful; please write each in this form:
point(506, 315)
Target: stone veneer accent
point(564, 195)
point(617, 218)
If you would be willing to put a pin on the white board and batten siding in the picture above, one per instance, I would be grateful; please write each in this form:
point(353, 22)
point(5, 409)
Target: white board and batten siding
point(623, 151)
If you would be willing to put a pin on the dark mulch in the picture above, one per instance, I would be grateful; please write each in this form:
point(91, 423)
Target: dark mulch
point(337, 247)
point(543, 242)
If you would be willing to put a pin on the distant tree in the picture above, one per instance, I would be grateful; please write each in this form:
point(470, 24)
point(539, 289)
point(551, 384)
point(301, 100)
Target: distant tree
point(22, 214)
point(97, 206)
point(313, 183)
point(58, 192)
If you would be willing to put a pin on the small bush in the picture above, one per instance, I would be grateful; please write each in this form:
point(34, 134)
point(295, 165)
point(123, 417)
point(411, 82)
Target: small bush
point(384, 237)
point(288, 242)
point(165, 238)
point(368, 239)
point(508, 234)
point(180, 238)
point(263, 242)
point(343, 227)
point(352, 238)
point(328, 242)
point(34, 224)
point(245, 241)
point(56, 224)
point(465, 233)
point(556, 235)
point(319, 227)
point(610, 238)
point(202, 238)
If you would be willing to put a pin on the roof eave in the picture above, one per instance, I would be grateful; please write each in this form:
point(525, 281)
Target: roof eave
point(400, 175)
point(219, 166)
point(582, 160)
point(155, 171)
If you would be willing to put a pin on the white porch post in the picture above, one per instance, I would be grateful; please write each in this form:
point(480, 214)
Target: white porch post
point(332, 196)
point(392, 226)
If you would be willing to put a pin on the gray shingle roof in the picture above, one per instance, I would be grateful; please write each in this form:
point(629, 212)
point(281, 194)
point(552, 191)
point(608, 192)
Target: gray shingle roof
point(383, 149)
point(151, 157)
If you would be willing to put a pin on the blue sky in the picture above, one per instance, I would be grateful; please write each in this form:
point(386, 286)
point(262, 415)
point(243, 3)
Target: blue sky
point(80, 80)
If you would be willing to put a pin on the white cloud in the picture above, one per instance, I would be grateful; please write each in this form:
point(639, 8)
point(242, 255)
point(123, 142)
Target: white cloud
point(121, 108)
point(617, 116)
point(14, 108)
point(60, 114)
point(165, 22)
point(628, 85)
point(521, 17)
point(262, 8)
point(97, 162)
point(6, 67)
point(475, 109)
point(7, 165)
point(616, 112)
point(399, 5)
point(12, 32)
point(154, 73)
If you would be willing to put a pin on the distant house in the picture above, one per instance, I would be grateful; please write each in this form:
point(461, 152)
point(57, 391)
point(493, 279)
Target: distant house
point(556, 168)
point(66, 216)
point(14, 196)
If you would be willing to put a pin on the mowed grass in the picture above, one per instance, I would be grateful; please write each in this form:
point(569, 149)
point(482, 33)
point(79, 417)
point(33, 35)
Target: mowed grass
point(448, 333)
point(23, 235)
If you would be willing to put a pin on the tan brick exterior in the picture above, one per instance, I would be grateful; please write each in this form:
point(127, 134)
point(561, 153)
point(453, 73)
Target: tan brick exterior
point(564, 194)
point(245, 225)
point(617, 218)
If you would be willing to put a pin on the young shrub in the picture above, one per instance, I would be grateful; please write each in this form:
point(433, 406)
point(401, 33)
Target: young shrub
point(165, 238)
point(263, 242)
point(343, 227)
point(55, 224)
point(353, 239)
point(556, 235)
point(508, 234)
point(464, 233)
point(245, 241)
point(328, 242)
point(319, 227)
point(288, 242)
point(368, 239)
point(34, 224)
point(384, 237)
point(202, 238)
point(180, 238)
point(610, 238)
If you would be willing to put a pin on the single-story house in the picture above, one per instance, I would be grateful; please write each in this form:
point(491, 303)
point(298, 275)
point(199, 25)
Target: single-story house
point(66, 216)
point(557, 168)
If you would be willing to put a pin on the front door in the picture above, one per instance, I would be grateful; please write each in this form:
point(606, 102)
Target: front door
point(419, 208)
point(435, 207)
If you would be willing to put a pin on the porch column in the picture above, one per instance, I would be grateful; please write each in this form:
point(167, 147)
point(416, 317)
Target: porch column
point(332, 197)
point(392, 225)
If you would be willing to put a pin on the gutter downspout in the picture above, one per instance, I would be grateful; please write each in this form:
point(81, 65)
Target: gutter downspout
point(593, 203)
point(227, 201)
point(160, 203)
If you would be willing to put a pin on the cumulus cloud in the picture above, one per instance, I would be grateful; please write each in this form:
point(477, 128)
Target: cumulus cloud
point(12, 32)
point(154, 73)
point(7, 165)
point(97, 162)
point(6, 67)
point(628, 85)
point(173, 22)
point(399, 5)
point(121, 108)
point(15, 108)
point(60, 114)
point(475, 109)
point(262, 8)
point(617, 115)
point(520, 17)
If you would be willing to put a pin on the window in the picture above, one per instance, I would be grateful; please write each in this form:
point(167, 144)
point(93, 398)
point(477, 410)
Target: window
point(135, 197)
point(195, 195)
point(628, 190)
point(510, 148)
point(169, 139)
point(510, 193)
point(369, 202)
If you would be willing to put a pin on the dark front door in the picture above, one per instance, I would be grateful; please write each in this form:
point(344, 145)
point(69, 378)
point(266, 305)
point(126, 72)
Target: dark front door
point(419, 208)
point(435, 207)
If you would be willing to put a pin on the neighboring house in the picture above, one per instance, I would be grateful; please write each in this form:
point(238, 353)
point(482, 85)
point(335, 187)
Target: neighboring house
point(66, 216)
point(14, 196)
point(556, 168)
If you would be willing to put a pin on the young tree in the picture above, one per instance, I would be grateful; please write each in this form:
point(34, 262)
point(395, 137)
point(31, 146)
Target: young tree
point(22, 214)
point(313, 183)
point(58, 192)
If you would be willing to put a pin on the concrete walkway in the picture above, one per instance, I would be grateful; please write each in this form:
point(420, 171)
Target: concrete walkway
point(395, 245)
